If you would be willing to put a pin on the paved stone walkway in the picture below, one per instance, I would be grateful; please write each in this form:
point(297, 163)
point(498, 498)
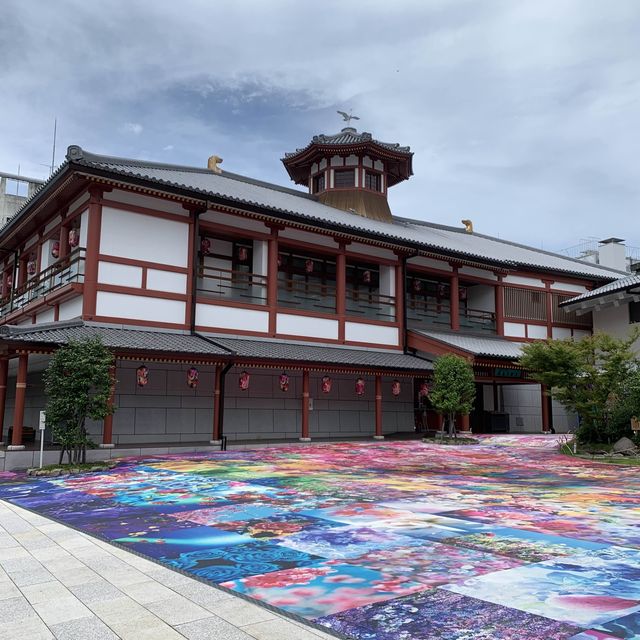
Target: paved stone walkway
point(56, 582)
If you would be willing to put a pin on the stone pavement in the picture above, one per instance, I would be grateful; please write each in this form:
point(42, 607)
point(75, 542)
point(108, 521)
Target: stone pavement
point(56, 582)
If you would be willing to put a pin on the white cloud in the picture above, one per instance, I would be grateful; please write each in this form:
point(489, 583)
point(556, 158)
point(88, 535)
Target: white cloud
point(133, 127)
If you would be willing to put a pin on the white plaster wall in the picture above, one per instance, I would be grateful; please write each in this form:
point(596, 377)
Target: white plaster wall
point(523, 404)
point(141, 237)
point(531, 282)
point(148, 202)
point(378, 252)
point(260, 257)
point(45, 316)
point(119, 305)
point(373, 333)
point(222, 317)
point(84, 223)
point(306, 236)
point(168, 281)
point(70, 309)
point(124, 275)
point(560, 333)
point(237, 222)
point(565, 286)
point(307, 326)
point(52, 223)
point(430, 262)
point(615, 322)
point(536, 331)
point(514, 330)
point(478, 273)
point(78, 201)
point(387, 280)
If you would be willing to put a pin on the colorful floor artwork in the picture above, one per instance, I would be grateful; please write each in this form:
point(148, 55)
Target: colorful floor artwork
point(383, 541)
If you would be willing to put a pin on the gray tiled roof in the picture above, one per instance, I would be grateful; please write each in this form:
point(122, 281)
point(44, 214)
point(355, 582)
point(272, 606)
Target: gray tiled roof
point(477, 345)
point(331, 356)
point(623, 284)
point(115, 338)
point(283, 202)
point(349, 136)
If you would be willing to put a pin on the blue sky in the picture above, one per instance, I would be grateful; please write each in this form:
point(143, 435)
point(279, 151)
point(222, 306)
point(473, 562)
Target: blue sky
point(523, 116)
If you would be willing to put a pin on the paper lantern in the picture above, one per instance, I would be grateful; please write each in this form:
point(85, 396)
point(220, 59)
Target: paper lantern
point(192, 377)
point(205, 246)
point(360, 385)
point(244, 381)
point(284, 381)
point(326, 384)
point(31, 265)
point(243, 254)
point(366, 277)
point(424, 390)
point(442, 291)
point(9, 280)
point(462, 294)
point(395, 387)
point(280, 260)
point(308, 266)
point(55, 249)
point(142, 376)
point(74, 238)
point(416, 286)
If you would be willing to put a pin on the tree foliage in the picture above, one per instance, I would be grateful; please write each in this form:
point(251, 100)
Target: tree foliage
point(77, 384)
point(593, 377)
point(454, 388)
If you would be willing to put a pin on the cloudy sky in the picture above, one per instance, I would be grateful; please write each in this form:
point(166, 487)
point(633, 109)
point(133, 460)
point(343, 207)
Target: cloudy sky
point(524, 115)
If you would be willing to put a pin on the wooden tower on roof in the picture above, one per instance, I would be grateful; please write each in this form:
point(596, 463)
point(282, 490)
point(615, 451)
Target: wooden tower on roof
point(351, 171)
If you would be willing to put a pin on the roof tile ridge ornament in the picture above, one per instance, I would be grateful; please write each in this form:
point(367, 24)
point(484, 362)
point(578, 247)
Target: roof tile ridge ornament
point(75, 153)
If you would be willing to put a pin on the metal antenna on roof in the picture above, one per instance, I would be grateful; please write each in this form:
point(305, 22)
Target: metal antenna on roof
point(53, 155)
point(348, 117)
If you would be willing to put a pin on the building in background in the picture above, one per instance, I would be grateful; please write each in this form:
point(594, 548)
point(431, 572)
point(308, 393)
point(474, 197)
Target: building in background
point(243, 308)
point(15, 190)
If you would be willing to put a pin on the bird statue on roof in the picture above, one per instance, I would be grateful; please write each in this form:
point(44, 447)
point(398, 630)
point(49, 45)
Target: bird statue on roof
point(213, 162)
point(468, 225)
point(347, 117)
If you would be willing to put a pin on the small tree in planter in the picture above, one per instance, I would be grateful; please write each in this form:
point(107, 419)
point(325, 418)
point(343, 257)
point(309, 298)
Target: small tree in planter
point(77, 384)
point(454, 388)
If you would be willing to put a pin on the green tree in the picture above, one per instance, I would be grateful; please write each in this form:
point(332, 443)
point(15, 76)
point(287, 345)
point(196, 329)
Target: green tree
point(589, 377)
point(454, 388)
point(77, 384)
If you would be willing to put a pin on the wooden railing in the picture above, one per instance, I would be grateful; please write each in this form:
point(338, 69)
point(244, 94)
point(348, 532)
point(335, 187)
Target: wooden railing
point(308, 295)
point(65, 271)
point(232, 285)
point(365, 304)
point(425, 311)
point(525, 304)
point(477, 320)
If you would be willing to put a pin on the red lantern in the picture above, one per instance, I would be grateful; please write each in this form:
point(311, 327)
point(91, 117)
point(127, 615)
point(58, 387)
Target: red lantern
point(395, 387)
point(74, 238)
point(366, 276)
point(55, 249)
point(308, 266)
point(31, 265)
point(442, 291)
point(9, 280)
point(142, 376)
point(417, 286)
point(284, 381)
point(462, 294)
point(360, 386)
point(244, 381)
point(326, 384)
point(280, 260)
point(192, 377)
point(424, 390)
point(205, 246)
point(243, 254)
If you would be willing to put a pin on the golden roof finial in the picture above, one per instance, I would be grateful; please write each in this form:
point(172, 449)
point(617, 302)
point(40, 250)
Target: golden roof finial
point(213, 163)
point(468, 225)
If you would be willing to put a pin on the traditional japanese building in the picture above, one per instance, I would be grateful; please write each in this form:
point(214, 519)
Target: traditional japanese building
point(240, 308)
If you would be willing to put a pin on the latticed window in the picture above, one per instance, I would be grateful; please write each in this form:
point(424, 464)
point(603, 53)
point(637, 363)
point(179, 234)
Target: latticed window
point(372, 181)
point(562, 316)
point(344, 178)
point(318, 183)
point(525, 304)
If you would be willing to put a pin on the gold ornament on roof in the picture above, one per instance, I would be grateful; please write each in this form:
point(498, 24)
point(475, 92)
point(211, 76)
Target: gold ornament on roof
point(468, 225)
point(213, 162)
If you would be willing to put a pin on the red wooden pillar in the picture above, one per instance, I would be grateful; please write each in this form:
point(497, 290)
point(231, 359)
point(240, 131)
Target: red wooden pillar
point(499, 291)
point(272, 280)
point(464, 422)
point(304, 437)
point(64, 241)
point(544, 401)
point(400, 286)
point(454, 298)
point(18, 410)
point(341, 291)
point(549, 302)
point(94, 224)
point(378, 435)
point(215, 436)
point(107, 423)
point(4, 371)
